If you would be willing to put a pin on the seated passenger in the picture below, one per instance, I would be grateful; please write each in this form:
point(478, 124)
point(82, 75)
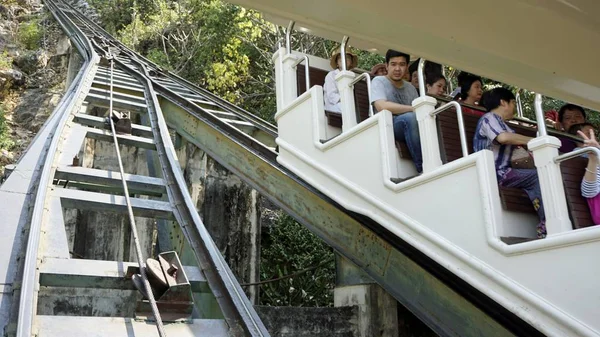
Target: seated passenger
point(378, 70)
point(471, 89)
point(331, 94)
point(393, 93)
point(435, 84)
point(590, 185)
point(569, 115)
point(413, 74)
point(586, 128)
point(492, 133)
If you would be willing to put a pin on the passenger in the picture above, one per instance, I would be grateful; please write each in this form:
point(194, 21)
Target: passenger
point(378, 70)
point(492, 133)
point(435, 84)
point(471, 89)
point(413, 74)
point(393, 93)
point(586, 128)
point(590, 185)
point(569, 115)
point(331, 95)
point(430, 69)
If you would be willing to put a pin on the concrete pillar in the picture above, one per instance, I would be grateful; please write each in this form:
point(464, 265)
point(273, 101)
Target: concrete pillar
point(545, 149)
point(343, 79)
point(75, 63)
point(430, 147)
point(377, 310)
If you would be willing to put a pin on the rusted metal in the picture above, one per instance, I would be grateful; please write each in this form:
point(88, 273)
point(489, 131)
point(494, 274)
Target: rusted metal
point(170, 286)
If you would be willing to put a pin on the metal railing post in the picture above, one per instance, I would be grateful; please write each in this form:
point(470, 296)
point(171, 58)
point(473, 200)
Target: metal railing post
point(420, 71)
point(343, 52)
point(539, 116)
point(288, 37)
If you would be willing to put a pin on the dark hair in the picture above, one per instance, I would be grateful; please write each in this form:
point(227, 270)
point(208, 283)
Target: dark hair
point(432, 78)
point(571, 107)
point(465, 82)
point(491, 99)
point(431, 68)
point(579, 127)
point(394, 53)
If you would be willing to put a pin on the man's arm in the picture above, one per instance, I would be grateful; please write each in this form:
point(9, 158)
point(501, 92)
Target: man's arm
point(394, 108)
point(508, 138)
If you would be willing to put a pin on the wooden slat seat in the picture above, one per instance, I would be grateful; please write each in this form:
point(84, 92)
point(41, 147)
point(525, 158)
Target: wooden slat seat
point(572, 172)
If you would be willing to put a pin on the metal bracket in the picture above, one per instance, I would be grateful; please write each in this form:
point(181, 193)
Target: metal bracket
point(170, 287)
point(122, 121)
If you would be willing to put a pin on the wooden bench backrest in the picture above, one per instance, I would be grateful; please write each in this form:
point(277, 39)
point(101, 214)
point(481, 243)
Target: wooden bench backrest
point(317, 77)
point(572, 172)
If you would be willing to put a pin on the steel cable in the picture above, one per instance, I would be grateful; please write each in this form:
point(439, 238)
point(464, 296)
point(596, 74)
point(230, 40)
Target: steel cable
point(138, 249)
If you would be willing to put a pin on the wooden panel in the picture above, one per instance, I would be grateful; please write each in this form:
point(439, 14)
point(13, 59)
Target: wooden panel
point(403, 150)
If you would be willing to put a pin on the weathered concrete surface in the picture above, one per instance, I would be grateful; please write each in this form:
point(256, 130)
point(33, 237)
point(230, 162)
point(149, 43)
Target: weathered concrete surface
point(310, 322)
point(105, 235)
point(229, 209)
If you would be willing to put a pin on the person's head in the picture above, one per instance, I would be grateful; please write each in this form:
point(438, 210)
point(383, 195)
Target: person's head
point(336, 59)
point(413, 72)
point(378, 70)
point(435, 84)
point(500, 101)
point(569, 115)
point(397, 64)
point(583, 127)
point(471, 88)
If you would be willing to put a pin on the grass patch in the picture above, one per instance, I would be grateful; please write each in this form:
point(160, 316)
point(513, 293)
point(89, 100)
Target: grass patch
point(5, 61)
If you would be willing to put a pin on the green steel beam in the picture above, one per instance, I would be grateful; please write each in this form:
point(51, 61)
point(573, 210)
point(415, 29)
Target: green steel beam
point(439, 306)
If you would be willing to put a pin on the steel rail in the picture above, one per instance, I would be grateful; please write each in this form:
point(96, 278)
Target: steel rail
point(238, 309)
point(138, 249)
point(235, 305)
point(27, 300)
point(220, 102)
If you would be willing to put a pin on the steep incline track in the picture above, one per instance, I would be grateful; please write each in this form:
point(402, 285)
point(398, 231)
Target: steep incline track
point(167, 104)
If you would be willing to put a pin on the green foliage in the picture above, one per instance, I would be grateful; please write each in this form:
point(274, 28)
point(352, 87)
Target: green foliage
point(29, 35)
point(366, 59)
point(5, 61)
point(290, 248)
point(6, 143)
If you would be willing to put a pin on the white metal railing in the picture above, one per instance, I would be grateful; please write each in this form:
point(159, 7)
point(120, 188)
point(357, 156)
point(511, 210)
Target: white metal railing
point(288, 36)
point(539, 115)
point(577, 153)
point(368, 80)
point(306, 69)
point(343, 52)
point(461, 123)
point(420, 71)
point(519, 105)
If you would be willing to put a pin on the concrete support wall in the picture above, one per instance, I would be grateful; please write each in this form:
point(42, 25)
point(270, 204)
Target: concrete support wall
point(106, 235)
point(310, 322)
point(376, 309)
point(229, 209)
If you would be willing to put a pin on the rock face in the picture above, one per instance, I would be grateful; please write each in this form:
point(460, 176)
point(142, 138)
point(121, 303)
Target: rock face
point(230, 211)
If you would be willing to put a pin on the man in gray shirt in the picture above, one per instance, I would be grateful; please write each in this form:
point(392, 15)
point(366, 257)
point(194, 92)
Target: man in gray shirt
point(392, 93)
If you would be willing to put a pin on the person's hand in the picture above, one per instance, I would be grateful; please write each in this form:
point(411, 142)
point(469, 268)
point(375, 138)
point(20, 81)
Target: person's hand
point(589, 141)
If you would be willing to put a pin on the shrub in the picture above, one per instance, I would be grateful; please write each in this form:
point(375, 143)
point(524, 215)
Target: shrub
point(5, 61)
point(29, 35)
point(288, 249)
